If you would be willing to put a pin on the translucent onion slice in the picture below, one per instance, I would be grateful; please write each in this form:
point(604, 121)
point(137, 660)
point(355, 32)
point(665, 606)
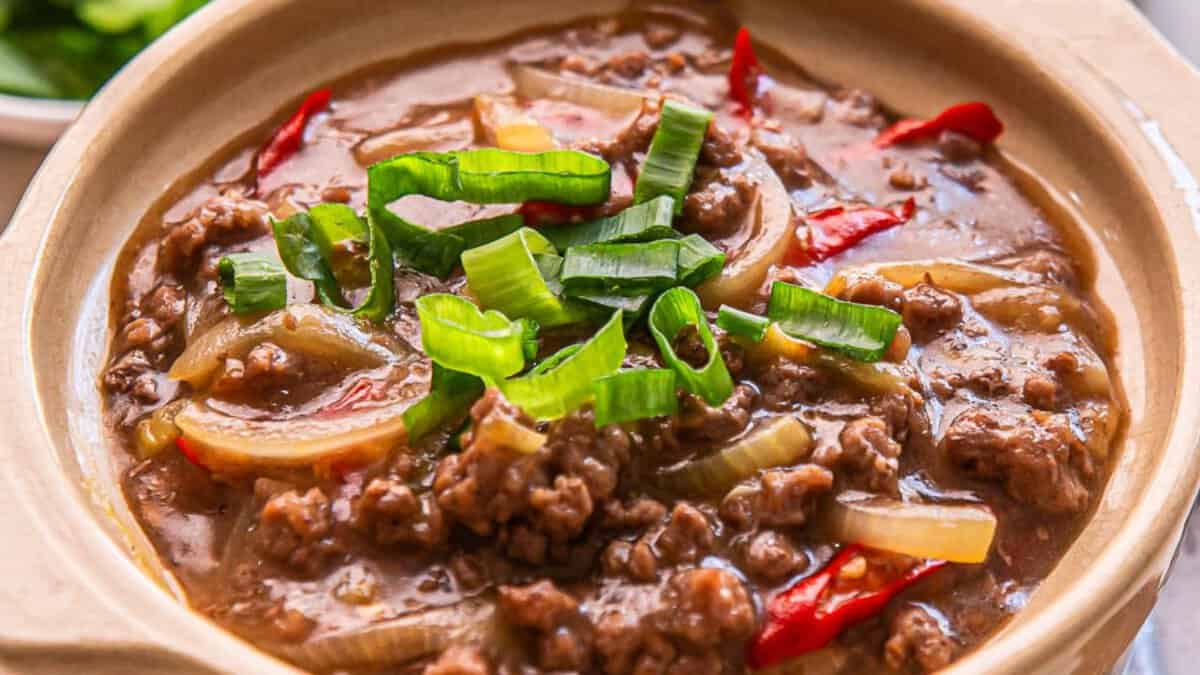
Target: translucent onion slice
point(225, 442)
point(310, 329)
point(498, 431)
point(880, 378)
point(394, 641)
point(1035, 308)
point(453, 136)
point(158, 431)
point(507, 126)
point(952, 275)
point(831, 660)
point(958, 533)
point(771, 228)
point(534, 83)
point(783, 441)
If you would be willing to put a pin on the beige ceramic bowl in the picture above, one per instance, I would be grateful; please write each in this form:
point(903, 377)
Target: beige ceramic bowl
point(1095, 102)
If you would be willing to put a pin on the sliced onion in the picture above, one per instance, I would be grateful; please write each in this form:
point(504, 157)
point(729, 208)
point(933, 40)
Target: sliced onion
point(952, 275)
point(158, 431)
point(499, 431)
point(441, 138)
point(769, 229)
point(309, 329)
point(830, 660)
point(880, 378)
point(225, 442)
point(1034, 308)
point(394, 641)
point(783, 441)
point(535, 83)
point(508, 127)
point(958, 533)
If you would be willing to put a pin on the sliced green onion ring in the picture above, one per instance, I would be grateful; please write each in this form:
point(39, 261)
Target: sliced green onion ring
point(504, 275)
point(632, 395)
point(479, 232)
point(643, 222)
point(742, 324)
point(862, 332)
point(451, 393)
point(698, 260)
point(675, 309)
point(620, 269)
point(252, 282)
point(554, 391)
point(484, 176)
point(674, 150)
point(457, 335)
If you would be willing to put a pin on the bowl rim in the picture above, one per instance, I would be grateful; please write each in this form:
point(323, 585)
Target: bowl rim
point(1160, 511)
point(36, 122)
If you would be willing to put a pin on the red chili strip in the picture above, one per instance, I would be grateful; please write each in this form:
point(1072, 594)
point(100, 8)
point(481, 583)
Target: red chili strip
point(537, 214)
point(838, 229)
point(287, 139)
point(974, 119)
point(815, 610)
point(189, 453)
point(743, 73)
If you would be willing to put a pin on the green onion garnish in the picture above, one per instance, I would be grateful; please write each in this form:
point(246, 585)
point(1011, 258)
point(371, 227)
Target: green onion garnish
point(698, 260)
point(457, 335)
point(451, 393)
point(252, 282)
point(620, 269)
point(554, 391)
point(479, 232)
point(504, 275)
point(862, 332)
point(674, 310)
point(632, 306)
point(306, 243)
point(485, 176)
point(673, 153)
point(635, 394)
point(742, 324)
point(643, 222)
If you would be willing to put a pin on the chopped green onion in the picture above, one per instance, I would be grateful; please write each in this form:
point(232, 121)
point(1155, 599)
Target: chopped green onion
point(457, 335)
point(451, 393)
point(479, 232)
point(554, 359)
point(862, 332)
point(698, 260)
point(635, 394)
point(567, 383)
point(504, 275)
point(338, 233)
point(643, 222)
point(620, 269)
point(674, 150)
point(743, 324)
point(484, 176)
point(307, 239)
point(252, 282)
point(674, 310)
point(632, 306)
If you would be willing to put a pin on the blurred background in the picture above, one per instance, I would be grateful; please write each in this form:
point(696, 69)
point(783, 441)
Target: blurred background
point(56, 53)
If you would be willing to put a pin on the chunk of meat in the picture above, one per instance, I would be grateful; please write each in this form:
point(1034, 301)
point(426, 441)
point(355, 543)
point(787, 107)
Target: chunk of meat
point(1033, 453)
point(771, 557)
point(460, 660)
point(779, 497)
point(392, 514)
point(916, 638)
point(956, 147)
point(629, 65)
point(622, 145)
point(701, 422)
point(222, 219)
point(635, 514)
point(786, 156)
point(872, 289)
point(562, 635)
point(719, 148)
point(124, 373)
point(717, 203)
point(785, 383)
point(929, 311)
point(706, 608)
point(687, 536)
point(294, 529)
point(857, 107)
point(869, 455)
point(689, 347)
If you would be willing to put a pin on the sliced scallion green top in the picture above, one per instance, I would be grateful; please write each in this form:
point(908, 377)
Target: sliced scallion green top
point(505, 275)
point(862, 332)
point(632, 395)
point(621, 269)
point(451, 393)
point(252, 282)
point(456, 334)
point(643, 222)
point(674, 150)
point(672, 312)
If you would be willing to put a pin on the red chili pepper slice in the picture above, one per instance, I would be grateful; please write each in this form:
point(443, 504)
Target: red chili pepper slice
point(834, 230)
point(537, 214)
point(815, 610)
point(973, 119)
point(189, 453)
point(744, 72)
point(287, 139)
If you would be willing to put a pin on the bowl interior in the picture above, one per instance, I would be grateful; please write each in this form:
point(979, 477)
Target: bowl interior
point(190, 95)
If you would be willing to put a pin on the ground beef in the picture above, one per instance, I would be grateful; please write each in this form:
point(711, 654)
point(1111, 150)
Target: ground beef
point(784, 383)
point(956, 147)
point(786, 156)
point(628, 65)
point(687, 536)
point(689, 347)
point(635, 560)
point(561, 634)
point(126, 371)
point(634, 514)
point(719, 148)
point(699, 421)
point(1041, 391)
point(392, 514)
point(1033, 453)
point(929, 311)
point(917, 638)
point(165, 304)
point(869, 456)
point(1054, 267)
point(779, 497)
point(660, 35)
point(859, 108)
point(221, 219)
point(769, 556)
point(459, 660)
point(706, 608)
point(901, 177)
point(595, 456)
point(294, 529)
point(268, 367)
point(562, 510)
point(633, 138)
point(717, 204)
point(969, 177)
